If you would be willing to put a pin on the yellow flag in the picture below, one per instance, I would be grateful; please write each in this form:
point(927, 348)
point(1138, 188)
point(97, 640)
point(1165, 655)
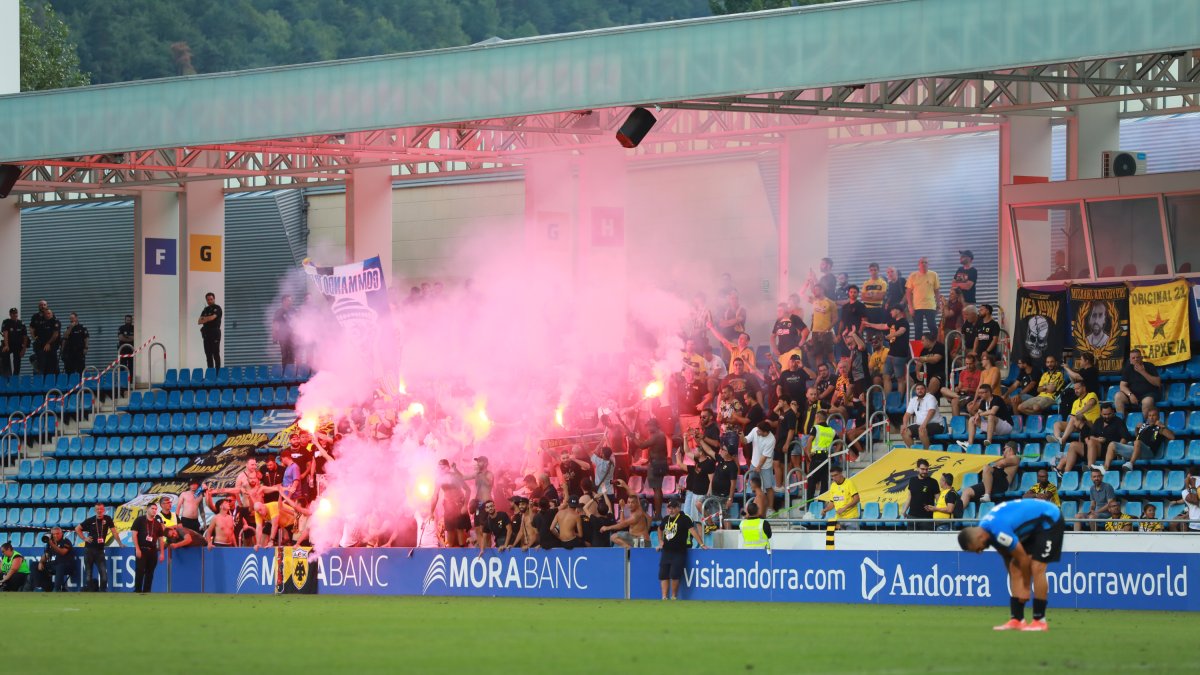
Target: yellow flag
point(886, 479)
point(1158, 322)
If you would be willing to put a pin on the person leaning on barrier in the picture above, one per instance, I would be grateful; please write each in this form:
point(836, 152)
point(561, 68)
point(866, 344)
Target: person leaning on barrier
point(756, 532)
point(948, 505)
point(14, 568)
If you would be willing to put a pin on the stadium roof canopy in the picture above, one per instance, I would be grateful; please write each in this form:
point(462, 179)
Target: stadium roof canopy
point(723, 84)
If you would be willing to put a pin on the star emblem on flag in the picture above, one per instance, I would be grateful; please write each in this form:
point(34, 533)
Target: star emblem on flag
point(1159, 325)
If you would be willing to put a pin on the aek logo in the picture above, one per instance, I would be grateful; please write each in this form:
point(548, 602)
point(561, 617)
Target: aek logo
point(869, 569)
point(436, 572)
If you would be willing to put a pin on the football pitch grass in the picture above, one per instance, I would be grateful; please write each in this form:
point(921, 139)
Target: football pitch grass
point(121, 633)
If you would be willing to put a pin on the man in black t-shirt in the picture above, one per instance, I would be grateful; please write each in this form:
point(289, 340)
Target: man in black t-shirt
point(595, 523)
point(1149, 437)
point(994, 417)
point(47, 342)
point(75, 345)
point(125, 344)
point(895, 368)
point(210, 330)
point(922, 492)
point(497, 527)
point(932, 362)
point(673, 534)
point(788, 331)
point(966, 276)
point(148, 547)
point(724, 478)
point(699, 476)
point(854, 312)
point(987, 338)
point(793, 382)
point(14, 340)
point(94, 532)
point(1140, 384)
point(969, 328)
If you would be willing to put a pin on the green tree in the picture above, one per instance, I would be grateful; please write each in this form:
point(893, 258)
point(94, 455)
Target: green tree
point(48, 57)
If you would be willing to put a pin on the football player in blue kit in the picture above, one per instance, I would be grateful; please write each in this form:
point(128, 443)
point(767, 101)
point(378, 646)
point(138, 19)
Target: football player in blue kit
point(1028, 534)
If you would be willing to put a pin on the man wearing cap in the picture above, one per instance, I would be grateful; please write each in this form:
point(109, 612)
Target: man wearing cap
point(483, 494)
point(567, 525)
point(921, 291)
point(14, 340)
point(966, 276)
point(673, 534)
point(518, 525)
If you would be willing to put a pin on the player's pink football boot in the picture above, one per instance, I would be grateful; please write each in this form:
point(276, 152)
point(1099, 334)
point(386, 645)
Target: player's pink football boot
point(1036, 625)
point(1011, 624)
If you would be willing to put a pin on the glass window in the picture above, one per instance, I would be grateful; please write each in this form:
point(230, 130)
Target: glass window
point(1127, 237)
point(1050, 239)
point(1183, 223)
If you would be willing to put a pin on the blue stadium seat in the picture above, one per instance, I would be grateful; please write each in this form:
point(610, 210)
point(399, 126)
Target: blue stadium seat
point(63, 471)
point(203, 422)
point(210, 378)
point(51, 496)
point(1133, 419)
point(100, 448)
point(1070, 481)
point(226, 399)
point(1193, 426)
point(1176, 395)
point(153, 471)
point(168, 468)
point(294, 396)
point(150, 426)
point(39, 517)
point(175, 399)
point(190, 423)
point(268, 398)
point(262, 375)
point(209, 441)
point(1193, 453)
point(118, 492)
point(171, 378)
point(1034, 428)
point(39, 493)
point(1173, 454)
point(1177, 421)
point(1132, 481)
point(1113, 478)
point(1152, 484)
point(87, 446)
point(152, 445)
point(239, 398)
point(289, 371)
point(187, 400)
point(135, 401)
point(1194, 395)
point(1028, 480)
point(100, 426)
point(103, 470)
point(276, 375)
point(124, 425)
point(985, 508)
point(90, 493)
point(177, 423)
point(76, 469)
point(128, 466)
point(89, 469)
point(243, 420)
point(1174, 372)
point(37, 469)
point(139, 446)
point(254, 397)
point(27, 520)
point(224, 377)
point(75, 446)
point(53, 517)
point(105, 493)
point(126, 448)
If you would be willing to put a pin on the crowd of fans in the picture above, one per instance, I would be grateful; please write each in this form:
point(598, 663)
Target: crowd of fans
point(725, 411)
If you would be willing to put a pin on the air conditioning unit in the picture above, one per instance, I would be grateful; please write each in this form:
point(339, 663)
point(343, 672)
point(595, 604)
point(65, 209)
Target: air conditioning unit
point(1117, 163)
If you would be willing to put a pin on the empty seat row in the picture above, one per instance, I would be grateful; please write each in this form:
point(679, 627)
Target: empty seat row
point(135, 446)
point(241, 376)
point(162, 400)
point(79, 493)
point(26, 404)
point(172, 423)
point(66, 518)
point(36, 384)
point(96, 469)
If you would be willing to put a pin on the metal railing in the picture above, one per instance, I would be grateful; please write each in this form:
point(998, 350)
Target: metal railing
point(150, 363)
point(44, 432)
point(115, 385)
point(870, 415)
point(128, 352)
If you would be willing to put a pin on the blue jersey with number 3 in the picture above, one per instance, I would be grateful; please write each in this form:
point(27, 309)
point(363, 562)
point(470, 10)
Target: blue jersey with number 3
point(1013, 521)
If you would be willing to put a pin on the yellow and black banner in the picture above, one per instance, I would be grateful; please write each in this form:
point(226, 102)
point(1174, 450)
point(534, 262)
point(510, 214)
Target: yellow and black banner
point(886, 479)
point(1100, 324)
point(295, 570)
point(1158, 322)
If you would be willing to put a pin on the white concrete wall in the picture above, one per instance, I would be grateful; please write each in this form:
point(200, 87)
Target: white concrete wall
point(10, 47)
